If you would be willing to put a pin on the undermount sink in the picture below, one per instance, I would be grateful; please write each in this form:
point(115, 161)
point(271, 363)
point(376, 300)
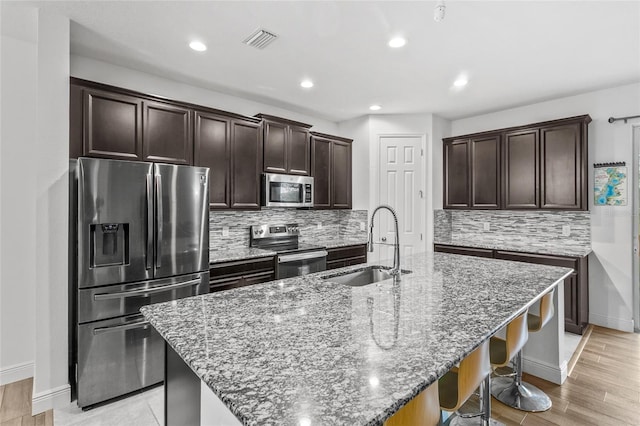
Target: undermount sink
point(369, 275)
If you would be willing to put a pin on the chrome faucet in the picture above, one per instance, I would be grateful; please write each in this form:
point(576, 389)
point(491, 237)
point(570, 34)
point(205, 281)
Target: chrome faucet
point(395, 271)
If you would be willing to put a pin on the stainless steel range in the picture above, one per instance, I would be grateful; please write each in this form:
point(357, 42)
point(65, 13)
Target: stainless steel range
point(139, 234)
point(293, 258)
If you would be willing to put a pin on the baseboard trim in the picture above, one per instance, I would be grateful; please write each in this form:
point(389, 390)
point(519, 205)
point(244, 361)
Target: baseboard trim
point(609, 322)
point(15, 373)
point(50, 399)
point(543, 370)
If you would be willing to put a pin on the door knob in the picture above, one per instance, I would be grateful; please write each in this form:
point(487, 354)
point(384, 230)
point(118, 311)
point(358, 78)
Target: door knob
point(384, 238)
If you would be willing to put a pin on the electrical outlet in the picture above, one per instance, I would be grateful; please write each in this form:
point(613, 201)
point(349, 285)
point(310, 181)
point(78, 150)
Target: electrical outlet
point(362, 226)
point(225, 231)
point(486, 226)
point(566, 230)
point(319, 225)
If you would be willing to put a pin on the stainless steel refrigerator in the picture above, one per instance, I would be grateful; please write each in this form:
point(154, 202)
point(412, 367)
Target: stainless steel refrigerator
point(139, 235)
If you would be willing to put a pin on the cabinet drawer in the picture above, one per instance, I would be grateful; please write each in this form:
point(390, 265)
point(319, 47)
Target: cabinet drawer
point(541, 259)
point(241, 267)
point(467, 251)
point(346, 252)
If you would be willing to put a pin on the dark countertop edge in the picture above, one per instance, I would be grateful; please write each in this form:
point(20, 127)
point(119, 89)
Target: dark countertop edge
point(586, 252)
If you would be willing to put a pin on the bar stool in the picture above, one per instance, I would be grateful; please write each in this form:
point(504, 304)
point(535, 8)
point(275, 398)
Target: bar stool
point(423, 410)
point(458, 384)
point(512, 391)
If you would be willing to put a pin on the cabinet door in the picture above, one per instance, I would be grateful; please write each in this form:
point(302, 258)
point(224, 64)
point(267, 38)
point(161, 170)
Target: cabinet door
point(321, 172)
point(485, 172)
point(212, 140)
point(246, 158)
point(167, 133)
point(521, 168)
point(561, 167)
point(340, 175)
point(457, 193)
point(112, 125)
point(275, 147)
point(298, 151)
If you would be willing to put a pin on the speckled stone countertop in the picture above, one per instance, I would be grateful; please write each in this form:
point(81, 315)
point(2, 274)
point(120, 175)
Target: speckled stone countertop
point(216, 256)
point(309, 351)
point(521, 246)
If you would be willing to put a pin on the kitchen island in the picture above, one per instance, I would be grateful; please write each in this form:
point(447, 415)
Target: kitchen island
point(307, 351)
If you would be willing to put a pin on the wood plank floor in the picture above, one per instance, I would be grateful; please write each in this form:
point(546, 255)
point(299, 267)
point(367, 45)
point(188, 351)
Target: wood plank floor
point(15, 406)
point(603, 388)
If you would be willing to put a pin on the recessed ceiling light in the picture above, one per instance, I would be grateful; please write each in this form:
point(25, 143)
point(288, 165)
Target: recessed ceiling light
point(307, 84)
point(375, 107)
point(397, 42)
point(461, 81)
point(198, 46)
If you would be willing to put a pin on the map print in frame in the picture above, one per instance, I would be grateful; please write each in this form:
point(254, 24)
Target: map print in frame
point(610, 186)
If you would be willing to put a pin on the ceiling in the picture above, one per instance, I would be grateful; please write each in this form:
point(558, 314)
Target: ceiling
point(513, 52)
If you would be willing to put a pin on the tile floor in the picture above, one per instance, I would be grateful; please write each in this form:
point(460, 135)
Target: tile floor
point(143, 409)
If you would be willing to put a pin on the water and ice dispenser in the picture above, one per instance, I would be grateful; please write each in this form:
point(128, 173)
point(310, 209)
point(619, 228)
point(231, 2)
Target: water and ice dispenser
point(109, 244)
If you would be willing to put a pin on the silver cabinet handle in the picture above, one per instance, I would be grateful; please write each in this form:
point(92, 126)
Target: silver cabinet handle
point(123, 294)
point(123, 327)
point(384, 238)
point(301, 256)
point(160, 221)
point(149, 221)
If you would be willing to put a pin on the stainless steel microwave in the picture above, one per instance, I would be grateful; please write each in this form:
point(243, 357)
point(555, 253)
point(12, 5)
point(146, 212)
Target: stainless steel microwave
point(286, 191)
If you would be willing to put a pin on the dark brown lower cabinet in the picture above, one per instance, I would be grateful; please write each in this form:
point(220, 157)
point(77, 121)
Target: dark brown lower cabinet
point(340, 257)
point(240, 273)
point(576, 286)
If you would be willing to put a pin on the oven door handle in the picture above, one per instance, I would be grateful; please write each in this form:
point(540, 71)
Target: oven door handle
point(301, 256)
point(122, 294)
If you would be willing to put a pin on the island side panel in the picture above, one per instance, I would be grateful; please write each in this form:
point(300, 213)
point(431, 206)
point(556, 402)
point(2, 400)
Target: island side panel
point(181, 391)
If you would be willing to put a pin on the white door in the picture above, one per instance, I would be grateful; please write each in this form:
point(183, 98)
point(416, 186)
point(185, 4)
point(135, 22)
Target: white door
point(401, 186)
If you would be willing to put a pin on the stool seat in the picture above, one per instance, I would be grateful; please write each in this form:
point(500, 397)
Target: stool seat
point(423, 410)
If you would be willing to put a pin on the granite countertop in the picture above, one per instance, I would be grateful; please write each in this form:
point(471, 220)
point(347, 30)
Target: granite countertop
point(557, 249)
point(308, 351)
point(216, 256)
point(335, 242)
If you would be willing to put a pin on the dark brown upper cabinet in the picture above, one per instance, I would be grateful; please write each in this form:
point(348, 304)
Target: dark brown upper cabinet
point(537, 166)
point(485, 172)
point(331, 171)
point(111, 124)
point(286, 146)
point(521, 169)
point(232, 149)
point(167, 133)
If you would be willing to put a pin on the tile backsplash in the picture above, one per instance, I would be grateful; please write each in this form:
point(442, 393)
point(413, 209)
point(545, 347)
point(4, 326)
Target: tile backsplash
point(333, 224)
point(496, 226)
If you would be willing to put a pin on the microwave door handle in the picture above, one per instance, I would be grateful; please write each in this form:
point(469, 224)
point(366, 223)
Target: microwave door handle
point(149, 259)
point(159, 219)
point(143, 291)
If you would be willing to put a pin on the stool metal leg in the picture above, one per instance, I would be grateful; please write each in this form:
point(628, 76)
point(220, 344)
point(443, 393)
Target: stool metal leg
point(515, 393)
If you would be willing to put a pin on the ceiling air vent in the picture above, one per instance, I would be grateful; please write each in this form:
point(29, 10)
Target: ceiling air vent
point(260, 39)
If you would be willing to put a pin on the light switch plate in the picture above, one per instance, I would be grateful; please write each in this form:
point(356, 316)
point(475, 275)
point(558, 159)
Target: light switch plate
point(566, 230)
point(225, 231)
point(319, 225)
point(486, 226)
point(362, 226)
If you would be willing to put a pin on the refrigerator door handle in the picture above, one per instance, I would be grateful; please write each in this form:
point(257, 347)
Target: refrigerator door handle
point(123, 327)
point(159, 220)
point(149, 258)
point(145, 291)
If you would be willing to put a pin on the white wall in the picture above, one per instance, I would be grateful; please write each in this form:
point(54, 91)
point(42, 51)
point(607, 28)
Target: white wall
point(103, 72)
point(51, 386)
point(17, 201)
point(610, 265)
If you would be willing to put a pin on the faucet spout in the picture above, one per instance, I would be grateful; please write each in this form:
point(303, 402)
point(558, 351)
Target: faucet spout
point(395, 271)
